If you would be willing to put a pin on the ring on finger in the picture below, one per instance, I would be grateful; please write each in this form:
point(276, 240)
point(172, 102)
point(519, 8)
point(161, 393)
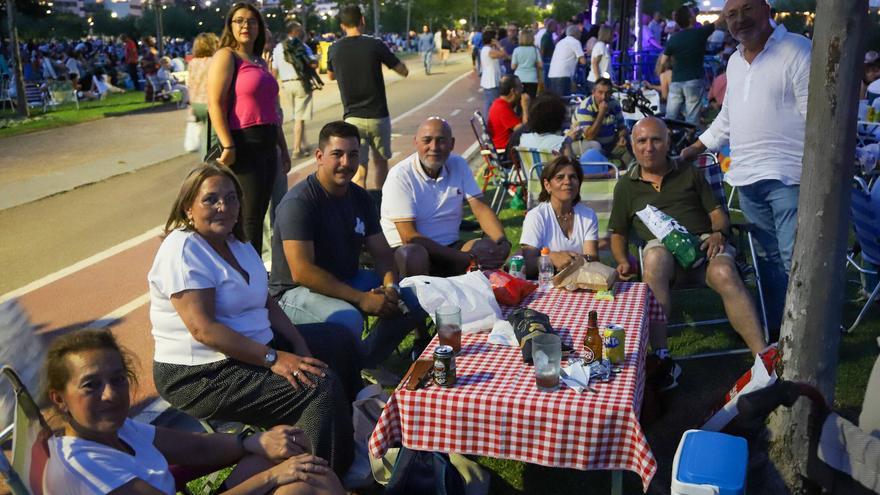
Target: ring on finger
point(296, 373)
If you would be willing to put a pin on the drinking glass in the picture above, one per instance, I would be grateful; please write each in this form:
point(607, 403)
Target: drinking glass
point(547, 356)
point(448, 320)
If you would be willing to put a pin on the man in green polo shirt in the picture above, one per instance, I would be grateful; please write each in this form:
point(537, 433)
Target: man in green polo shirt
point(679, 190)
point(687, 48)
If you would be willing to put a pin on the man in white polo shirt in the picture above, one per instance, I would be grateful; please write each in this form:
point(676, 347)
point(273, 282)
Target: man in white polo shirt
point(764, 120)
point(422, 207)
point(566, 56)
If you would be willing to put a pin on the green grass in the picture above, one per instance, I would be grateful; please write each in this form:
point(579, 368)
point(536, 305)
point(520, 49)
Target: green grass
point(67, 113)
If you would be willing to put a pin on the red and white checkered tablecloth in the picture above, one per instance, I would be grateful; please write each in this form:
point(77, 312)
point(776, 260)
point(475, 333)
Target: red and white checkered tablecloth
point(496, 410)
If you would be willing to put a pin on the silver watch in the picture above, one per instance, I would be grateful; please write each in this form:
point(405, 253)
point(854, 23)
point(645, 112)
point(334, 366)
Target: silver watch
point(270, 358)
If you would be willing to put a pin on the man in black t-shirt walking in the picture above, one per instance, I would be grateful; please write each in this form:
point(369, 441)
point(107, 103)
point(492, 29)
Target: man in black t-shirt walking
point(355, 61)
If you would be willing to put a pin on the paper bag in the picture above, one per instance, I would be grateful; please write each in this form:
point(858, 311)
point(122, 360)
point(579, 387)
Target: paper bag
point(580, 274)
point(471, 292)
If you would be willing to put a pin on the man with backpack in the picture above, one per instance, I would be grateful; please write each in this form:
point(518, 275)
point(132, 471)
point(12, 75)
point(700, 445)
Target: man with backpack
point(294, 65)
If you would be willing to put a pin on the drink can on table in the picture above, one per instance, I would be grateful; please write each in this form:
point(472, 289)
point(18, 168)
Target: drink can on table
point(517, 266)
point(444, 366)
point(614, 344)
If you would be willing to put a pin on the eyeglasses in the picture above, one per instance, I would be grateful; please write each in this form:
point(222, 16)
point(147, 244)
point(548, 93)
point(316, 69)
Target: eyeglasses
point(241, 21)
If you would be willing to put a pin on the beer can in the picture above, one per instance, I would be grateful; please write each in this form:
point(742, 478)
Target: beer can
point(517, 266)
point(444, 366)
point(614, 344)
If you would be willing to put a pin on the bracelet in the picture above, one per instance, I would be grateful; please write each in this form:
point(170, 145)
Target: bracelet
point(227, 147)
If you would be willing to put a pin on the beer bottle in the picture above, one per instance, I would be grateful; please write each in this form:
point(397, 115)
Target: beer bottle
point(592, 341)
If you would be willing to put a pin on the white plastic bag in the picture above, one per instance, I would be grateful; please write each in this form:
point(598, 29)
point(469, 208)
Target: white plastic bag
point(754, 379)
point(192, 137)
point(471, 292)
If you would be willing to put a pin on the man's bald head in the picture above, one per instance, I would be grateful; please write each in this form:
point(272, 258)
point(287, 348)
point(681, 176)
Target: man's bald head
point(434, 142)
point(748, 21)
point(650, 143)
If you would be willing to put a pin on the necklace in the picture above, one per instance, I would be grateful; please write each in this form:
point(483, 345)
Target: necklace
point(565, 216)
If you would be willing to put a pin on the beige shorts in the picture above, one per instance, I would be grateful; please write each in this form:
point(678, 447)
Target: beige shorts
point(302, 102)
point(376, 134)
point(694, 275)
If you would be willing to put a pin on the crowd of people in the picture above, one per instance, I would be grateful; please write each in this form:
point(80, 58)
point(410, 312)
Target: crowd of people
point(286, 352)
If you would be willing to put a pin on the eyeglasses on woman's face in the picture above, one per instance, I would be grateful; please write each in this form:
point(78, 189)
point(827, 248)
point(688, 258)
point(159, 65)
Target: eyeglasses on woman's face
point(241, 21)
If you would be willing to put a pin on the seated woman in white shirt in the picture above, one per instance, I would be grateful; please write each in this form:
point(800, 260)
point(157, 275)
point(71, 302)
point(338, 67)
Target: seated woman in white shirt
point(101, 450)
point(560, 222)
point(545, 133)
point(224, 349)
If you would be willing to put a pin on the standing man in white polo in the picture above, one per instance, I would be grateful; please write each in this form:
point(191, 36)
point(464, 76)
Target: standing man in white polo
point(422, 207)
point(567, 54)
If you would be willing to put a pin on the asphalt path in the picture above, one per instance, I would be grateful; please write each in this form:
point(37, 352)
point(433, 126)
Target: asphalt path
point(80, 258)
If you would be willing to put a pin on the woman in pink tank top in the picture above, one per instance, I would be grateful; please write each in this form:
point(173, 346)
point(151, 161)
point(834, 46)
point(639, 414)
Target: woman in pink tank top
point(245, 114)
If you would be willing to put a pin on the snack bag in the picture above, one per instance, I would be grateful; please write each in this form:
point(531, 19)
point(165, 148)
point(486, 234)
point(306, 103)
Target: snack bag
point(508, 289)
point(684, 246)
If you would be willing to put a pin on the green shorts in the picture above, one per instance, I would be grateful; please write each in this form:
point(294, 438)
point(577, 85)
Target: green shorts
point(376, 134)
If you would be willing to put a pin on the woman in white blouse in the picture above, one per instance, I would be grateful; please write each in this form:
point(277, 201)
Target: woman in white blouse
point(600, 55)
point(560, 222)
point(224, 348)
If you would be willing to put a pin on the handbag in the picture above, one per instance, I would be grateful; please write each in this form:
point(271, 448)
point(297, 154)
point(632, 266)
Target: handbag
point(214, 147)
point(192, 136)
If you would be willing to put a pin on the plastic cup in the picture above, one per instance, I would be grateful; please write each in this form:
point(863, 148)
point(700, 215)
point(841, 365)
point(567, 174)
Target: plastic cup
point(547, 356)
point(448, 320)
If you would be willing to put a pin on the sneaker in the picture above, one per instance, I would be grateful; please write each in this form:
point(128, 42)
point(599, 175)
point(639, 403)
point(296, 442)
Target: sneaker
point(667, 375)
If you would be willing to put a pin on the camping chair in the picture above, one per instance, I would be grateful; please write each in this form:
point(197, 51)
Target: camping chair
point(29, 433)
point(36, 95)
point(5, 93)
point(502, 173)
point(161, 90)
point(741, 236)
point(597, 189)
point(865, 210)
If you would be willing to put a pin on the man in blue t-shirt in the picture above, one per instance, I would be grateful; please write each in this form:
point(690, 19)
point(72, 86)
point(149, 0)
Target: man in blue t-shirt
point(321, 226)
point(426, 48)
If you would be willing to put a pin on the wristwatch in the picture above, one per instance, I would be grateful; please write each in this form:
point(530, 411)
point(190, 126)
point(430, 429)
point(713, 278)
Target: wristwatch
point(270, 358)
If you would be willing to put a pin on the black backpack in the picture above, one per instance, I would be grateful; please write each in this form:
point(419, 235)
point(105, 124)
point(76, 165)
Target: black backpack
point(417, 472)
point(295, 55)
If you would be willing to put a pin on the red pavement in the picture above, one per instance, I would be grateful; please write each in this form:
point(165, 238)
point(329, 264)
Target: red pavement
point(120, 281)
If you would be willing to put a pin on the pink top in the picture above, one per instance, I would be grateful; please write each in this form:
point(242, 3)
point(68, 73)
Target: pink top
point(719, 87)
point(256, 97)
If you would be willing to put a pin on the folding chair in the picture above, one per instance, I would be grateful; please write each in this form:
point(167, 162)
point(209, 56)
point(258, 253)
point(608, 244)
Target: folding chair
point(502, 173)
point(160, 89)
point(36, 95)
point(29, 433)
point(5, 96)
point(865, 210)
point(741, 237)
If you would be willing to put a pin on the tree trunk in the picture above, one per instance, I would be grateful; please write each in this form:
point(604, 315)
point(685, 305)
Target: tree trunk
point(21, 98)
point(810, 334)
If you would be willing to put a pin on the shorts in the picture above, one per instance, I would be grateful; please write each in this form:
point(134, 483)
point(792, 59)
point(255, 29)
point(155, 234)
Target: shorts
point(303, 107)
point(693, 276)
point(376, 134)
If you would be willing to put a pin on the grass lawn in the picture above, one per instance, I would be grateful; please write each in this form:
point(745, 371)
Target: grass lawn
point(67, 113)
point(702, 384)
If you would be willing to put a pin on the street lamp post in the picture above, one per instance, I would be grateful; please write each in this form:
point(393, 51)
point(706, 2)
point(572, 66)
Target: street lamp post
point(474, 23)
point(160, 43)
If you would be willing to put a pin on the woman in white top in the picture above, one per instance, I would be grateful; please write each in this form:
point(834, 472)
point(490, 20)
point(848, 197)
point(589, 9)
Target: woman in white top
point(224, 348)
point(600, 56)
point(490, 68)
point(560, 222)
point(102, 451)
point(546, 118)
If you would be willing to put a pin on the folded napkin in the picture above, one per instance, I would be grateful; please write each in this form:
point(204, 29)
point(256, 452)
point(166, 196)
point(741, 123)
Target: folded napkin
point(502, 334)
point(576, 376)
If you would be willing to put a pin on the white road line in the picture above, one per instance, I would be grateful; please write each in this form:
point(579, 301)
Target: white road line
point(91, 260)
point(471, 99)
point(311, 161)
point(454, 112)
point(120, 312)
point(156, 231)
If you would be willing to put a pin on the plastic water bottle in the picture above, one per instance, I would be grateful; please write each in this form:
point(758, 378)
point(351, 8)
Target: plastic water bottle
point(545, 269)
